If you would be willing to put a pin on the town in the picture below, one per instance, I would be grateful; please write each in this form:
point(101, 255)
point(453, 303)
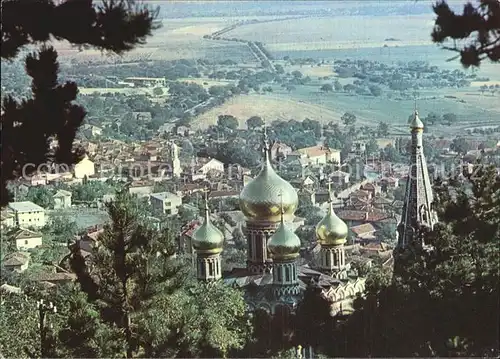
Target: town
point(253, 205)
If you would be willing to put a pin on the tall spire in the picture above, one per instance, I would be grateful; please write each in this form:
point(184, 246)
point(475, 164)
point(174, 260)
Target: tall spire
point(418, 200)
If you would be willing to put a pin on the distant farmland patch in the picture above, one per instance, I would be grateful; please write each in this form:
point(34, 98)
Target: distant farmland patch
point(268, 107)
point(337, 30)
point(206, 82)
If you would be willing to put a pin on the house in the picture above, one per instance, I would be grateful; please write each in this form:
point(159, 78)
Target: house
point(165, 203)
point(9, 289)
point(306, 182)
point(7, 219)
point(142, 116)
point(364, 232)
point(320, 154)
point(358, 148)
point(91, 130)
point(389, 182)
point(85, 243)
point(212, 165)
point(279, 150)
point(17, 261)
point(184, 131)
point(84, 168)
point(306, 197)
point(55, 278)
point(340, 178)
point(223, 194)
point(372, 188)
point(166, 128)
point(62, 199)
point(25, 239)
point(141, 188)
point(39, 179)
point(28, 214)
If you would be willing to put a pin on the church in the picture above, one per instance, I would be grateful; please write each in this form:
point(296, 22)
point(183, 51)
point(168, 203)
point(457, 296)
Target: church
point(275, 275)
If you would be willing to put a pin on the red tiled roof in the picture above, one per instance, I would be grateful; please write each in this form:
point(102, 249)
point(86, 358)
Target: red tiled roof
point(353, 215)
point(363, 229)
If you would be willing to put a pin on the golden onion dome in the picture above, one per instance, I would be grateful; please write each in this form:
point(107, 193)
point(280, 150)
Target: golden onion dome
point(331, 230)
point(260, 198)
point(416, 122)
point(208, 238)
point(284, 244)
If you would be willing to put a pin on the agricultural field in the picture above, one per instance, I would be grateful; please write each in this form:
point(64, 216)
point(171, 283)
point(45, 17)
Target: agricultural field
point(338, 32)
point(206, 82)
point(126, 91)
point(269, 107)
point(371, 110)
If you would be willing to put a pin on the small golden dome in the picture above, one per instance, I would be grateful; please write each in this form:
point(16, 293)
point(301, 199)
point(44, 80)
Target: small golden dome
point(416, 122)
point(207, 238)
point(331, 230)
point(260, 198)
point(284, 243)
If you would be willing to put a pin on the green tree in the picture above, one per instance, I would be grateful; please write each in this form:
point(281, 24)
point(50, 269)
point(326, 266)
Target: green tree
point(337, 85)
point(449, 118)
point(158, 91)
point(372, 147)
point(254, 122)
point(375, 90)
point(51, 111)
point(18, 319)
point(432, 118)
point(41, 195)
point(460, 145)
point(83, 334)
point(348, 119)
point(227, 121)
point(279, 69)
point(383, 129)
point(326, 88)
point(297, 74)
point(131, 265)
point(391, 154)
point(434, 288)
point(482, 18)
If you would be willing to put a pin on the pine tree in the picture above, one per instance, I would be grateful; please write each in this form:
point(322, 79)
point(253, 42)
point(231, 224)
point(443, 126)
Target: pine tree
point(131, 265)
point(475, 32)
point(28, 126)
point(445, 302)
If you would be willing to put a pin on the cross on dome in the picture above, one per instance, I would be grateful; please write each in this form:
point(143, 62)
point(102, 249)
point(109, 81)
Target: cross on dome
point(329, 190)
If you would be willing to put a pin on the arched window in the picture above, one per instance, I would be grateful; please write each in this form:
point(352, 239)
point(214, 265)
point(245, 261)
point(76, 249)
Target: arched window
point(210, 269)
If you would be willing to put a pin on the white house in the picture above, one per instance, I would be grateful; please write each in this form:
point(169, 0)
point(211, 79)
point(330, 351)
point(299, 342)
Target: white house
point(25, 239)
point(28, 214)
point(84, 168)
point(17, 261)
point(62, 199)
point(7, 219)
point(212, 165)
point(165, 203)
point(318, 155)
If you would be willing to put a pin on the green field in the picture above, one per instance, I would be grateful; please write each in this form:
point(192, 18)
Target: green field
point(372, 110)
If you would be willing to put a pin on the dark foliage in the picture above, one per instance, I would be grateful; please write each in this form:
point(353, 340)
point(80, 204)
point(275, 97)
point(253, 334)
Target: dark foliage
point(477, 28)
point(28, 127)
